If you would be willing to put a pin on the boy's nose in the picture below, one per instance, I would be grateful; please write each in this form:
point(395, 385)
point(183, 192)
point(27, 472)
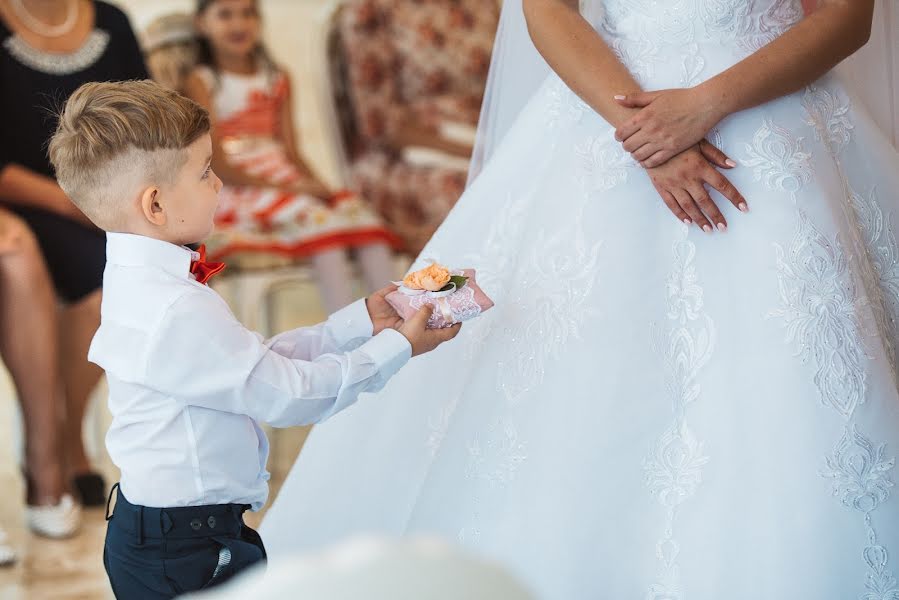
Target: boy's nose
point(218, 183)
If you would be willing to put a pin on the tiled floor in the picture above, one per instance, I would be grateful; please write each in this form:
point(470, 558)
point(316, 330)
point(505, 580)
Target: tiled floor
point(73, 569)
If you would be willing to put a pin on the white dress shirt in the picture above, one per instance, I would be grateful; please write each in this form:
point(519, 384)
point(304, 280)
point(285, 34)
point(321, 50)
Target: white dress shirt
point(188, 383)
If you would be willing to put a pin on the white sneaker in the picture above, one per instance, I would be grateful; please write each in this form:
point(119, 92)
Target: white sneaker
point(57, 521)
point(7, 554)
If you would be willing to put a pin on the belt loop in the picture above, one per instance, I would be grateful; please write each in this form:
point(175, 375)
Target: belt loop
point(140, 526)
point(165, 522)
point(109, 500)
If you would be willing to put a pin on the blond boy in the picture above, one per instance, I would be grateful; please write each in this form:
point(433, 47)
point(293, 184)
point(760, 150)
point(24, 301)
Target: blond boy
point(188, 384)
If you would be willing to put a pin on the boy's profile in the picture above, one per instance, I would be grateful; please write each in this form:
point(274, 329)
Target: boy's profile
point(188, 384)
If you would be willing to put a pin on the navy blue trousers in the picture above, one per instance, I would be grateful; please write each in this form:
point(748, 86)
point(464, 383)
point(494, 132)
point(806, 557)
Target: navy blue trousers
point(156, 553)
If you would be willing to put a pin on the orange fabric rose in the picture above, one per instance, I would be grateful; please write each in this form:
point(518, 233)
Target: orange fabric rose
point(431, 278)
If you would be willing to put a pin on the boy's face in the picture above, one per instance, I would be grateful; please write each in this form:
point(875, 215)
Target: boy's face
point(191, 202)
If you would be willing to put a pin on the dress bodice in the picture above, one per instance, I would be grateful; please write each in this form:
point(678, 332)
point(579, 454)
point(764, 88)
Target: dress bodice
point(652, 36)
point(246, 105)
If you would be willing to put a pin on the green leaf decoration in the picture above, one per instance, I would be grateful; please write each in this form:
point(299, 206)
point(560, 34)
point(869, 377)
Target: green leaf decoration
point(459, 280)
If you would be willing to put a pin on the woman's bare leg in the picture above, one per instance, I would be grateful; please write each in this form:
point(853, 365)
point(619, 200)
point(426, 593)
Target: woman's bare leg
point(28, 345)
point(78, 325)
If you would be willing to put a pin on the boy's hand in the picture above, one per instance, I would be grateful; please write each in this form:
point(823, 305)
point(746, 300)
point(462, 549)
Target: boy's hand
point(382, 314)
point(424, 339)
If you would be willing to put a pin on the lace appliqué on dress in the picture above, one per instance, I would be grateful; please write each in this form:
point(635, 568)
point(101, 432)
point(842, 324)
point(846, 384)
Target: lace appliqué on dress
point(552, 302)
point(777, 158)
point(493, 261)
point(564, 107)
point(861, 480)
point(882, 253)
point(604, 164)
point(673, 469)
point(828, 116)
point(861, 472)
point(820, 308)
point(547, 307)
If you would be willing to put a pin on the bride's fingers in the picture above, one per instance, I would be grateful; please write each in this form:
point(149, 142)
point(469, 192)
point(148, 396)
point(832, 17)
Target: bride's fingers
point(715, 155)
point(721, 183)
point(637, 100)
point(685, 200)
point(636, 141)
point(645, 151)
point(708, 206)
point(627, 129)
point(657, 159)
point(673, 206)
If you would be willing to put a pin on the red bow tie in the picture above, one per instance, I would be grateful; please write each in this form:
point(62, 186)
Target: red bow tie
point(203, 270)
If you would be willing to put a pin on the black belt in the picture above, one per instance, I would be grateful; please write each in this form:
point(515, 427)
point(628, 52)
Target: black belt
point(182, 522)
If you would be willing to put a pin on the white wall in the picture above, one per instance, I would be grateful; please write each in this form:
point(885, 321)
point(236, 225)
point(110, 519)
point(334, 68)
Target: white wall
point(874, 71)
point(292, 30)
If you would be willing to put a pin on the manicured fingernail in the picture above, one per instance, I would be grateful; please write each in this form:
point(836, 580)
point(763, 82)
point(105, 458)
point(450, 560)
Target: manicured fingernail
point(722, 227)
point(619, 97)
point(743, 207)
point(687, 221)
point(707, 228)
point(730, 163)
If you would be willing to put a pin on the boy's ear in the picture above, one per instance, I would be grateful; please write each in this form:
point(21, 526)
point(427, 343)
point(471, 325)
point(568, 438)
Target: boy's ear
point(151, 206)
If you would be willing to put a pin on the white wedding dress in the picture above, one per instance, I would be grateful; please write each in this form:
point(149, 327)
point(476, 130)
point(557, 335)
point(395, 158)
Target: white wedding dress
point(651, 411)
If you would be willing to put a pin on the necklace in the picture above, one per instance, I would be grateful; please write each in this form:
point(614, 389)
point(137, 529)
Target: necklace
point(37, 26)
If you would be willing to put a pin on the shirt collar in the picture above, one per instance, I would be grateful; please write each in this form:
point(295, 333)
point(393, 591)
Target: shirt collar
point(130, 250)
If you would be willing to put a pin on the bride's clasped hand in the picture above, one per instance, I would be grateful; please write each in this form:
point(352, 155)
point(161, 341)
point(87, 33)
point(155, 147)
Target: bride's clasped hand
point(668, 122)
point(667, 137)
point(682, 181)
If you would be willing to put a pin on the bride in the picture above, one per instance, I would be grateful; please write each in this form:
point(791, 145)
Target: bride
point(679, 394)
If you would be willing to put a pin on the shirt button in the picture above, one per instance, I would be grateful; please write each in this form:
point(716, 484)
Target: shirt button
point(195, 524)
point(211, 522)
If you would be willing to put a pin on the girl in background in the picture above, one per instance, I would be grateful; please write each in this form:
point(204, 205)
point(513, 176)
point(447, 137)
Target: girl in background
point(272, 202)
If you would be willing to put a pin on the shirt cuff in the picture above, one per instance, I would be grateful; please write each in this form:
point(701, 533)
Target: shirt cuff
point(350, 323)
point(390, 351)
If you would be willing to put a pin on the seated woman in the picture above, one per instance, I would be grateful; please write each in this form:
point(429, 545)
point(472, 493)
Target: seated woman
point(416, 72)
point(28, 348)
point(47, 49)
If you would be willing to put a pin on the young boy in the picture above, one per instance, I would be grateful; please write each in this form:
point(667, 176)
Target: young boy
point(188, 384)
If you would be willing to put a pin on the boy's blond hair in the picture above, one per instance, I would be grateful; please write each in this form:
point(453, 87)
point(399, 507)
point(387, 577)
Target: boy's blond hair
point(113, 139)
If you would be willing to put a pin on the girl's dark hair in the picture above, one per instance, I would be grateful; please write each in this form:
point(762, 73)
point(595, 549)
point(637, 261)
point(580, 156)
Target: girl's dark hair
point(204, 48)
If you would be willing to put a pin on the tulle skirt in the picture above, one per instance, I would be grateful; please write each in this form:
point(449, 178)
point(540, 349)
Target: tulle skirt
point(649, 411)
